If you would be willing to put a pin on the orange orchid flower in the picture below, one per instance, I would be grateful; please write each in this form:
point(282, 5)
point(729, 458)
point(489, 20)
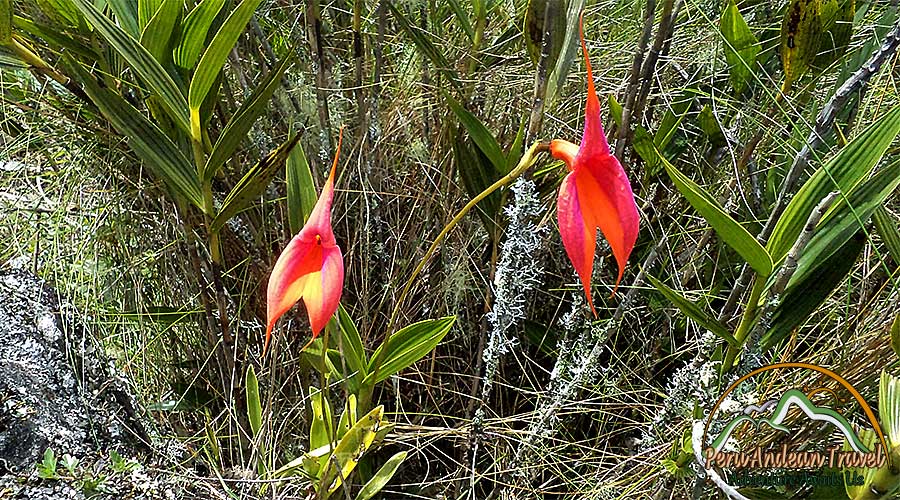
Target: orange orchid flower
point(311, 267)
point(595, 194)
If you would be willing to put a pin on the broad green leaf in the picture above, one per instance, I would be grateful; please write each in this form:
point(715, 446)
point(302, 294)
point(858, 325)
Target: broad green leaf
point(159, 153)
point(214, 58)
point(254, 406)
point(158, 32)
point(6, 19)
point(409, 345)
point(243, 119)
point(381, 478)
point(694, 311)
point(351, 448)
point(570, 50)
point(799, 301)
point(800, 33)
point(126, 12)
point(643, 144)
point(351, 342)
point(534, 28)
point(837, 26)
point(727, 228)
point(146, 9)
point(141, 61)
point(301, 190)
point(194, 30)
point(479, 134)
point(425, 46)
point(846, 217)
point(320, 426)
point(55, 36)
point(65, 12)
point(741, 46)
point(253, 184)
point(844, 171)
point(888, 228)
point(463, 17)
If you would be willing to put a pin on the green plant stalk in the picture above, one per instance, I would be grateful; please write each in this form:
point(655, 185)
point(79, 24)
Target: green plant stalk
point(527, 160)
point(885, 480)
point(746, 322)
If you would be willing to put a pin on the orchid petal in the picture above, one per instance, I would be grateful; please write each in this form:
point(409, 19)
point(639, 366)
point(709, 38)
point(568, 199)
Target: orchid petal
point(578, 240)
point(311, 267)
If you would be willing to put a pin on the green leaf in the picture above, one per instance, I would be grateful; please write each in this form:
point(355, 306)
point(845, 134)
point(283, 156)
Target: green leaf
point(160, 154)
point(409, 345)
point(126, 12)
point(463, 17)
point(54, 36)
point(800, 33)
point(253, 184)
point(381, 478)
point(643, 144)
point(887, 227)
point(141, 61)
point(6, 19)
point(889, 406)
point(243, 119)
point(673, 117)
point(515, 151)
point(145, 11)
point(615, 109)
point(351, 448)
point(844, 171)
point(158, 32)
point(799, 301)
point(479, 134)
point(254, 406)
point(320, 425)
point(710, 126)
point(214, 58)
point(194, 30)
point(477, 173)
point(348, 417)
point(351, 342)
point(727, 228)
point(837, 25)
point(424, 44)
point(694, 311)
point(301, 190)
point(846, 217)
point(741, 46)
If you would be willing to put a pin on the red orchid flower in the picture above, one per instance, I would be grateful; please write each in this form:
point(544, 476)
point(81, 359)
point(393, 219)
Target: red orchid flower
point(310, 267)
point(595, 194)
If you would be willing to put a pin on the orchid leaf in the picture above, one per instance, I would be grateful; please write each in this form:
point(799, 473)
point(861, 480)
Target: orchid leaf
point(253, 184)
point(409, 345)
point(194, 30)
point(732, 233)
point(425, 45)
point(801, 30)
point(214, 57)
point(254, 406)
point(694, 311)
point(888, 228)
point(141, 61)
point(381, 478)
point(243, 119)
point(301, 190)
point(158, 32)
point(741, 46)
point(480, 135)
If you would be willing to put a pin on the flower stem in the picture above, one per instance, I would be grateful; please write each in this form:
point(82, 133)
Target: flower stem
point(525, 162)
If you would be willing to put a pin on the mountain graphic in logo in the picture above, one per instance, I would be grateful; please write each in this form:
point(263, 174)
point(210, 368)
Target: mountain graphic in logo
point(791, 398)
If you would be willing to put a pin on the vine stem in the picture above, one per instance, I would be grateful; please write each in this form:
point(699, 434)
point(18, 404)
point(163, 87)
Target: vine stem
point(525, 162)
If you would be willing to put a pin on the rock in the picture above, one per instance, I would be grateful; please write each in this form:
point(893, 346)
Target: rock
point(57, 390)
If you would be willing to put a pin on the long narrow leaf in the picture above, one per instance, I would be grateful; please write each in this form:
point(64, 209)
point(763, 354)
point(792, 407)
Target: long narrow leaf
point(161, 155)
point(426, 46)
point(194, 30)
point(409, 345)
point(480, 135)
point(694, 311)
point(727, 228)
point(253, 184)
point(126, 12)
point(158, 32)
point(143, 63)
point(243, 119)
point(887, 227)
point(214, 58)
point(301, 190)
